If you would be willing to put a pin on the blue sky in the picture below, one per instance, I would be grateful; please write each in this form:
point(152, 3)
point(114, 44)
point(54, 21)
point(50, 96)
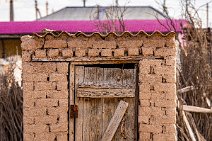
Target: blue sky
point(24, 9)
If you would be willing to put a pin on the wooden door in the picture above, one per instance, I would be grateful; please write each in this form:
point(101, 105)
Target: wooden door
point(100, 93)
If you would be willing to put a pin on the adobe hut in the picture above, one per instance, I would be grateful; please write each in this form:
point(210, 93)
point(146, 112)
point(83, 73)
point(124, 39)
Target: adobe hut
point(99, 87)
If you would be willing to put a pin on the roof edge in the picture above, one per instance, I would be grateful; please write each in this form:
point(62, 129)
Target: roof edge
point(57, 34)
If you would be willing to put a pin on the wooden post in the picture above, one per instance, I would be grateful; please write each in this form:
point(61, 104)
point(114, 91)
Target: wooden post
point(11, 11)
point(47, 8)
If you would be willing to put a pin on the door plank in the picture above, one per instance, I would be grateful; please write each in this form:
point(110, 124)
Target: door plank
point(79, 78)
point(115, 121)
point(105, 93)
point(71, 102)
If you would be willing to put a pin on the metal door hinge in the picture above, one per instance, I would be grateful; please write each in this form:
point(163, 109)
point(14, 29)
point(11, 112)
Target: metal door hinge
point(73, 111)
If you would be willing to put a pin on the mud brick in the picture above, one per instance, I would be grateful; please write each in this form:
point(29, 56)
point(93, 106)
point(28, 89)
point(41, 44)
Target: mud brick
point(144, 103)
point(74, 43)
point(28, 43)
point(158, 96)
point(170, 61)
point(46, 136)
point(133, 51)
point(165, 52)
point(147, 51)
point(62, 118)
point(160, 120)
point(171, 112)
point(62, 127)
point(58, 111)
point(169, 128)
point(58, 77)
point(40, 53)
point(28, 137)
point(146, 128)
point(168, 120)
point(53, 53)
point(145, 88)
point(136, 43)
point(110, 44)
point(154, 43)
point(165, 87)
point(46, 119)
point(144, 136)
point(41, 86)
point(67, 53)
point(27, 86)
point(62, 137)
point(63, 102)
point(143, 119)
point(147, 66)
point(47, 67)
point(165, 103)
point(37, 94)
point(80, 52)
point(98, 44)
point(61, 86)
point(27, 103)
point(151, 62)
point(93, 52)
point(62, 67)
point(168, 78)
point(144, 95)
point(165, 70)
point(171, 96)
point(123, 44)
point(32, 112)
point(170, 43)
point(27, 68)
point(147, 111)
point(55, 44)
point(38, 128)
point(148, 78)
point(46, 103)
point(57, 94)
point(106, 52)
point(35, 77)
point(26, 56)
point(165, 137)
point(119, 52)
point(28, 120)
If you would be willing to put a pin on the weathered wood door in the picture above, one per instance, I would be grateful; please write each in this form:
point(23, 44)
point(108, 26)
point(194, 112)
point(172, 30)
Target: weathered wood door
point(100, 91)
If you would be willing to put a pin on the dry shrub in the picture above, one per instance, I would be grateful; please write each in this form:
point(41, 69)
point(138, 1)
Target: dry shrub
point(11, 110)
point(196, 70)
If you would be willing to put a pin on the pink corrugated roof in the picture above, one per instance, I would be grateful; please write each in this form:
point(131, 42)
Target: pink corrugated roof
point(90, 26)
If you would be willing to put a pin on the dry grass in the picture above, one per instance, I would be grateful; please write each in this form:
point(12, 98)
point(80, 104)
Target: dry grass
point(10, 111)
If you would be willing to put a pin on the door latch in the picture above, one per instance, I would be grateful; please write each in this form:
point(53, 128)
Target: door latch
point(73, 111)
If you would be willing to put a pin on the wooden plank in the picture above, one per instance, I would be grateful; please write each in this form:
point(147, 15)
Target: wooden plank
point(115, 121)
point(71, 101)
point(86, 119)
point(186, 89)
point(190, 131)
point(105, 93)
point(79, 78)
point(196, 109)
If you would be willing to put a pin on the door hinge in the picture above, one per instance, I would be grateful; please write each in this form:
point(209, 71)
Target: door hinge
point(73, 111)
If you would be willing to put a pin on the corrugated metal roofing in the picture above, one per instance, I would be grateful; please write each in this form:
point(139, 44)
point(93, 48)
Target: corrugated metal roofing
point(148, 26)
point(105, 13)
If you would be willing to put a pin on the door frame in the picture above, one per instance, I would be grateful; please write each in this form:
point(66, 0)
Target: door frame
point(72, 93)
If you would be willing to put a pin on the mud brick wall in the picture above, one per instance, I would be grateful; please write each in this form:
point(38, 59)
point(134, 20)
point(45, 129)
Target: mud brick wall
point(46, 60)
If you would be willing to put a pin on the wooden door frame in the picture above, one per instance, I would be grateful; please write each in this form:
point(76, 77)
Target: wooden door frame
point(72, 94)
